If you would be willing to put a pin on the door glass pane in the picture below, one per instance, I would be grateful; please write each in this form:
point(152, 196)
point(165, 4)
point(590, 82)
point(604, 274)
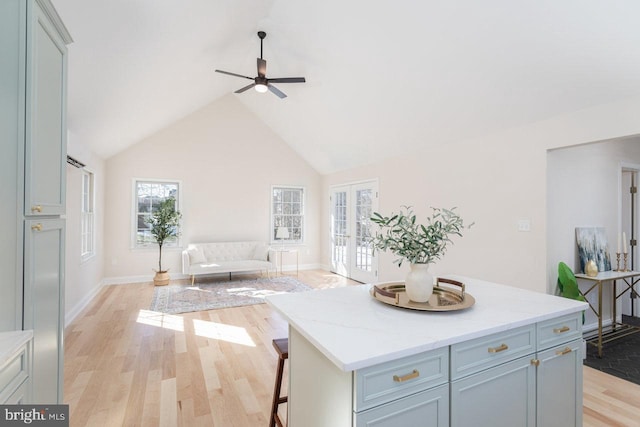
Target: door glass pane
point(340, 228)
point(363, 253)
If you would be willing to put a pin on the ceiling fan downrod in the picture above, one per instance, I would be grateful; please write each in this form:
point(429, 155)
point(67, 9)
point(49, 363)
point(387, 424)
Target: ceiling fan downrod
point(262, 35)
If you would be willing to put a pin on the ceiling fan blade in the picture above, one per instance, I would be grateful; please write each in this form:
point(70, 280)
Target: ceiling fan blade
point(262, 67)
point(288, 80)
point(234, 74)
point(277, 91)
point(245, 88)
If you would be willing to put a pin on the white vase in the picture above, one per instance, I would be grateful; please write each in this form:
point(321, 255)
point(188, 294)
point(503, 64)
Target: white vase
point(419, 283)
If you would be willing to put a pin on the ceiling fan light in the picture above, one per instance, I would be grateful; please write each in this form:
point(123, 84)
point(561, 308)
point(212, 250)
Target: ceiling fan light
point(261, 88)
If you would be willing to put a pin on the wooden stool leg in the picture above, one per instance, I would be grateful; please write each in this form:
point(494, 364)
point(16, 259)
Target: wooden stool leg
point(276, 394)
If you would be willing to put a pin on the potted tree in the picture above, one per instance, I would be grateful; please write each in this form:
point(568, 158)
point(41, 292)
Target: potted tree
point(420, 244)
point(164, 222)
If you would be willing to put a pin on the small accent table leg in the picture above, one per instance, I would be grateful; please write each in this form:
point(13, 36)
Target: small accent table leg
point(600, 319)
point(614, 308)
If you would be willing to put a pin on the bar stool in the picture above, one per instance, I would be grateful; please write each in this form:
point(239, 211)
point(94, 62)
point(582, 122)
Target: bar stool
point(282, 347)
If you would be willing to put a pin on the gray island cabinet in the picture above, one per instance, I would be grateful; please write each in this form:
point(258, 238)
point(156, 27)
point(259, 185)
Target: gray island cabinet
point(513, 359)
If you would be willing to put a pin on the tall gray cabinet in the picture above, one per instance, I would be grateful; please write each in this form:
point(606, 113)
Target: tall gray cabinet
point(33, 68)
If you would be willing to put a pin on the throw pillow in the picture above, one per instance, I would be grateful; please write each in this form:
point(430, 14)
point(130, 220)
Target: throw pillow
point(261, 252)
point(196, 256)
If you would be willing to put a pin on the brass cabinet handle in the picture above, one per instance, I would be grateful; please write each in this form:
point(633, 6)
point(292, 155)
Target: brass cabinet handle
point(566, 350)
point(561, 330)
point(412, 375)
point(36, 208)
point(502, 347)
point(535, 362)
point(37, 227)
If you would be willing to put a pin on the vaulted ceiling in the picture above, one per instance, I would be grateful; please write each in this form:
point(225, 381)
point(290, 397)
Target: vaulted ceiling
point(383, 77)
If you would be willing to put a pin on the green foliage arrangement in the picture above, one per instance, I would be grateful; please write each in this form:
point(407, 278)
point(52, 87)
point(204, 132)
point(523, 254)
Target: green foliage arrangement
point(568, 285)
point(164, 222)
point(414, 242)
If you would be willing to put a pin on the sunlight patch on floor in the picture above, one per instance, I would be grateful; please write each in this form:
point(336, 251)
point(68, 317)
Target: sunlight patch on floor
point(161, 320)
point(220, 331)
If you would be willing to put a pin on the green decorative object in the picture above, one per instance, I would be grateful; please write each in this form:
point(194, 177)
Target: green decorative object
point(164, 222)
point(417, 243)
point(568, 285)
point(420, 244)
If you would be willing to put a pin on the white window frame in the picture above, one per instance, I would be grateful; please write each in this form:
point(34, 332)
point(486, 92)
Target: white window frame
point(272, 230)
point(134, 213)
point(87, 215)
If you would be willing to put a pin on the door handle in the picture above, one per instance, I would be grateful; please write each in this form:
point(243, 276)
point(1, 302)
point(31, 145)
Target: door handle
point(36, 227)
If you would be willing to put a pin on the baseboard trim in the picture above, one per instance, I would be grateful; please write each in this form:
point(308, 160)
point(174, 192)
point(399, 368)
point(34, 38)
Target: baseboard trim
point(71, 315)
point(125, 280)
point(593, 327)
point(292, 267)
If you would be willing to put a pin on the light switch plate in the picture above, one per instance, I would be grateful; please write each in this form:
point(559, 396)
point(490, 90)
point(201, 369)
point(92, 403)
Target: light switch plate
point(524, 225)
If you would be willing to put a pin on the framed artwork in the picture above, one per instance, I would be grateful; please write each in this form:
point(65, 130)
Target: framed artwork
point(592, 245)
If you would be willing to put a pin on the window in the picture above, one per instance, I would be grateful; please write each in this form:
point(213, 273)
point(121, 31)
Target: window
point(87, 232)
point(287, 210)
point(148, 195)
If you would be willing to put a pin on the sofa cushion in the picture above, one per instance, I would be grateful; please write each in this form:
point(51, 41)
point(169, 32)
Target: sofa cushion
point(196, 255)
point(261, 252)
point(228, 251)
point(229, 266)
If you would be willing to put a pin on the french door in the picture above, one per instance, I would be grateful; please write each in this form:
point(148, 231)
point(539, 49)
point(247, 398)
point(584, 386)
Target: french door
point(351, 250)
point(629, 219)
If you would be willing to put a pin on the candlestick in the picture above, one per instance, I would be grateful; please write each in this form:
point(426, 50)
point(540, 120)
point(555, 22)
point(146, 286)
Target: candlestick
point(617, 261)
point(625, 262)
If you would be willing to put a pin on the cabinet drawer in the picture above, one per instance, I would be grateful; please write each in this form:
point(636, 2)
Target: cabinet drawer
point(427, 408)
point(559, 330)
point(485, 352)
point(13, 374)
point(399, 378)
point(19, 395)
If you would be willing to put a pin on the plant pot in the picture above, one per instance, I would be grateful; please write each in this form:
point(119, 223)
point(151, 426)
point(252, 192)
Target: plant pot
point(161, 278)
point(419, 283)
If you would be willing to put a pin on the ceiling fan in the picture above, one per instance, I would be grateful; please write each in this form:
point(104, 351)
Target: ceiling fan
point(262, 83)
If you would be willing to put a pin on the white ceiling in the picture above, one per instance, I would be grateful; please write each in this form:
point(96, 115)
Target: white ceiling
point(383, 77)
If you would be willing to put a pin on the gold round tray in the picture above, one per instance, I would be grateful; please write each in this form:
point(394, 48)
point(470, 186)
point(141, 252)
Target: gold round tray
point(444, 298)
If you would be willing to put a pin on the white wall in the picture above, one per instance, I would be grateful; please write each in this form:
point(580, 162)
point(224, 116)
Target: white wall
point(82, 278)
point(227, 160)
point(487, 187)
point(494, 181)
point(583, 185)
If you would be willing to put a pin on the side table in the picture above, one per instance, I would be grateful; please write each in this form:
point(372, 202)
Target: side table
point(615, 330)
point(280, 252)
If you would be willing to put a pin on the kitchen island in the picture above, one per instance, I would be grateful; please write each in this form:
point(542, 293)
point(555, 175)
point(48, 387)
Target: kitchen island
point(514, 358)
point(16, 348)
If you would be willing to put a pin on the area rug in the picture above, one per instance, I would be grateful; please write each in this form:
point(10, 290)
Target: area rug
point(620, 358)
point(176, 298)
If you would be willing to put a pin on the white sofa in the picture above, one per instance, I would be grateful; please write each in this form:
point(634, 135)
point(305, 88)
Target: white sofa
point(225, 257)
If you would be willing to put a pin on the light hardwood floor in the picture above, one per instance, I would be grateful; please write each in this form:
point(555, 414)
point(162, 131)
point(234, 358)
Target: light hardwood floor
point(127, 366)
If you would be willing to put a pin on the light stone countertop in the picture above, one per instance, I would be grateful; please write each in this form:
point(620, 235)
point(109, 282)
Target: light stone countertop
point(355, 331)
point(10, 343)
